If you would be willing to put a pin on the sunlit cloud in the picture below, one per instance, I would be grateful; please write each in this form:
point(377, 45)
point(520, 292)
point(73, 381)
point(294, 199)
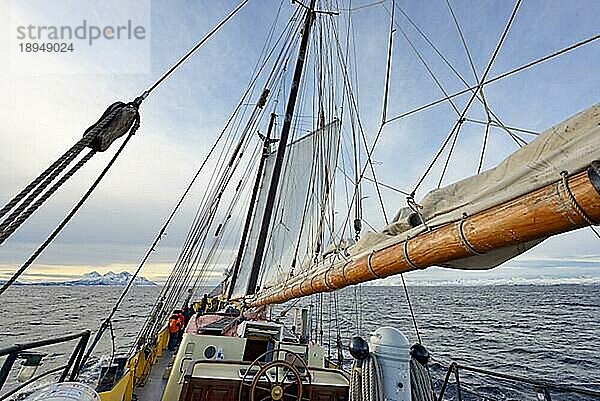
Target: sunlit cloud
point(43, 114)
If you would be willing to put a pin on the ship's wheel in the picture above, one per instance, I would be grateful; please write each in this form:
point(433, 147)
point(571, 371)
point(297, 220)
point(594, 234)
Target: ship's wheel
point(280, 379)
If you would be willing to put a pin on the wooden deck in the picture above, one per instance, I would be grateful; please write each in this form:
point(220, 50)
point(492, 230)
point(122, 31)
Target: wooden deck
point(153, 389)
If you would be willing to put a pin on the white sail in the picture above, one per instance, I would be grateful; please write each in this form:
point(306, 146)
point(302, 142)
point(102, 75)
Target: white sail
point(569, 146)
point(297, 230)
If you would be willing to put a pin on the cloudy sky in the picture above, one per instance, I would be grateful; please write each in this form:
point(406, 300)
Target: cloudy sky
point(45, 112)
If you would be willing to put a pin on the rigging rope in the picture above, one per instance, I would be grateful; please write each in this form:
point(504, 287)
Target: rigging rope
point(115, 121)
point(495, 124)
point(23, 212)
point(199, 271)
point(389, 66)
point(494, 79)
point(354, 107)
point(357, 224)
point(487, 131)
point(464, 42)
point(472, 89)
point(160, 299)
point(439, 85)
point(98, 143)
point(58, 166)
point(474, 95)
point(148, 252)
point(410, 308)
point(366, 380)
point(186, 261)
point(133, 129)
point(422, 60)
point(450, 152)
point(454, 132)
point(197, 46)
point(175, 209)
point(458, 75)
point(481, 98)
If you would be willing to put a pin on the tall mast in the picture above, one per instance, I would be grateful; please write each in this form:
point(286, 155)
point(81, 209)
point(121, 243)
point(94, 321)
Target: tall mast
point(283, 141)
point(261, 166)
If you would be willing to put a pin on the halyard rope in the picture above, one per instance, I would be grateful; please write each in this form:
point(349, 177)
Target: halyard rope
point(366, 380)
point(37, 186)
point(22, 212)
point(73, 211)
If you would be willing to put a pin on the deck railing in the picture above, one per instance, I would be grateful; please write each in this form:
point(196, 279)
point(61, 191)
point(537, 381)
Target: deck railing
point(69, 370)
point(543, 388)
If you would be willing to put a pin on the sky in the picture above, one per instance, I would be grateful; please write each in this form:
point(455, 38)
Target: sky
point(44, 112)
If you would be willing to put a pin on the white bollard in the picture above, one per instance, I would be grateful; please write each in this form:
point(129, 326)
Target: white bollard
point(392, 350)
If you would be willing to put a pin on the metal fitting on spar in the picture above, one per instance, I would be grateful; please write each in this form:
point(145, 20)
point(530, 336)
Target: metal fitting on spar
point(594, 175)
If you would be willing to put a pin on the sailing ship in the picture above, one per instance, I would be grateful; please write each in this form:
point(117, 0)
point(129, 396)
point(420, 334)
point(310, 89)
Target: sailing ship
point(292, 242)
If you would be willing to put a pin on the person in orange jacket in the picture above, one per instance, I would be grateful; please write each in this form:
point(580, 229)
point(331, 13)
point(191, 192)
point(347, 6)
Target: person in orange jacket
point(174, 329)
point(181, 321)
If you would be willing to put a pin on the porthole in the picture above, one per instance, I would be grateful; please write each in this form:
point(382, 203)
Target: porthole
point(209, 352)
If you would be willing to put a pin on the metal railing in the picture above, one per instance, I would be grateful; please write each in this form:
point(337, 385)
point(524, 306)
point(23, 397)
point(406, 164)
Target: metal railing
point(543, 388)
point(69, 370)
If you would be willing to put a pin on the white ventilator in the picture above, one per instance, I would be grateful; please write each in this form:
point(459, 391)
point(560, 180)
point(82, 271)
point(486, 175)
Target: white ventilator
point(65, 392)
point(392, 351)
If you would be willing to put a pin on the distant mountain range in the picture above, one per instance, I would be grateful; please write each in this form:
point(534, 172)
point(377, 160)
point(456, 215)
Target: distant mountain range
point(94, 278)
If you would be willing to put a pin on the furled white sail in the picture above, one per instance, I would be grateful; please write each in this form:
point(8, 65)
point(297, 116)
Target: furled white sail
point(297, 229)
point(569, 146)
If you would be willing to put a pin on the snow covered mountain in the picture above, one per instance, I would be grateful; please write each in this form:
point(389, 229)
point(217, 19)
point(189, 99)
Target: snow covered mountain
point(110, 278)
point(95, 278)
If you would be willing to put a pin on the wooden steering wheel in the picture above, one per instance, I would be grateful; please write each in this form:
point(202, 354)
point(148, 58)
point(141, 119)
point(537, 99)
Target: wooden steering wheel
point(281, 379)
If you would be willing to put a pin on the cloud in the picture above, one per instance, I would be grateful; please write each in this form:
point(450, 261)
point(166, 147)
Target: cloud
point(44, 114)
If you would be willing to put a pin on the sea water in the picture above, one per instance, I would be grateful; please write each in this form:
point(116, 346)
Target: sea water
point(542, 332)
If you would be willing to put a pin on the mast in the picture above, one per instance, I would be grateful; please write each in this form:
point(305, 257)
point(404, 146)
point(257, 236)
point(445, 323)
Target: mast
point(283, 141)
point(261, 166)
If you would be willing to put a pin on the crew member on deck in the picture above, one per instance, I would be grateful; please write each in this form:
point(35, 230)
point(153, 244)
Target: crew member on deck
point(181, 320)
point(174, 328)
point(203, 305)
point(187, 314)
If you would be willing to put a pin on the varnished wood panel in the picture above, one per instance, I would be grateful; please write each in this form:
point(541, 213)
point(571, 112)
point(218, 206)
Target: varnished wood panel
point(196, 389)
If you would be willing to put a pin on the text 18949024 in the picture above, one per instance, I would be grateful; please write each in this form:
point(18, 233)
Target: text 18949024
point(57, 47)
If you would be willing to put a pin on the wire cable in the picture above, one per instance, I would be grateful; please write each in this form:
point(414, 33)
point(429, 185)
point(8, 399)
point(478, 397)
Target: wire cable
point(474, 95)
point(497, 77)
point(72, 213)
point(193, 50)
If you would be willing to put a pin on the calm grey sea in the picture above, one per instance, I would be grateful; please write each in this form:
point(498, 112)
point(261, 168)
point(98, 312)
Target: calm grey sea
point(542, 332)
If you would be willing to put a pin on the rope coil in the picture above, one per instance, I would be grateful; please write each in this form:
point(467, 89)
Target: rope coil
point(420, 382)
point(366, 380)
